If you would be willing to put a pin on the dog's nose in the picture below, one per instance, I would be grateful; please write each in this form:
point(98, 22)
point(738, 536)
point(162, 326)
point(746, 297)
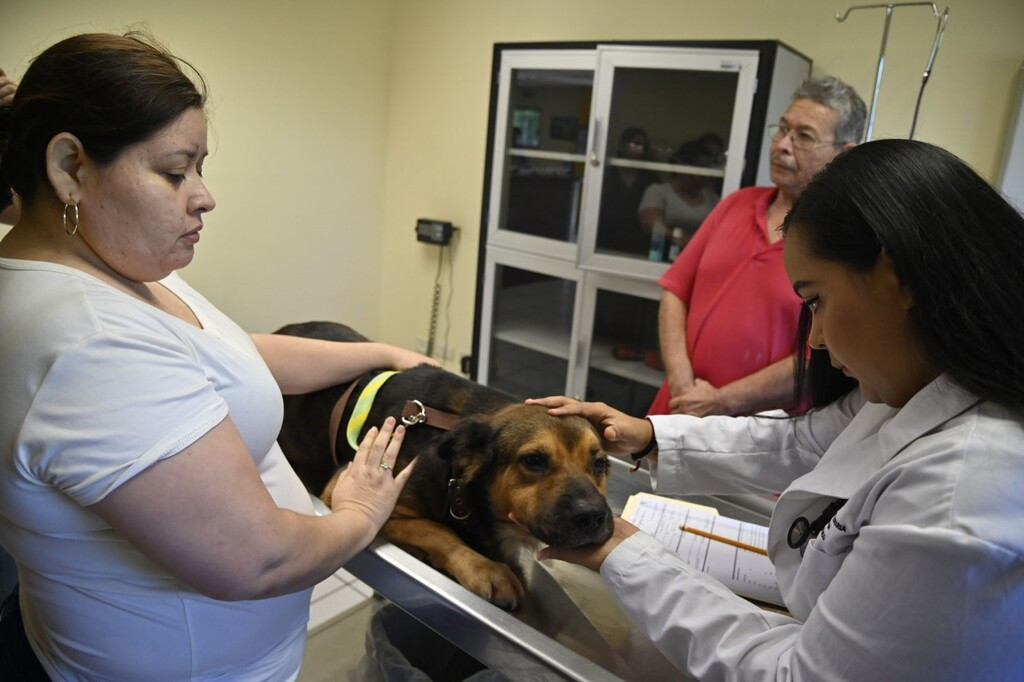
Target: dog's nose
point(589, 517)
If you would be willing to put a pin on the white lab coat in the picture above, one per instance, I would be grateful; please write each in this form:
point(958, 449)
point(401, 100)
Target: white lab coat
point(919, 577)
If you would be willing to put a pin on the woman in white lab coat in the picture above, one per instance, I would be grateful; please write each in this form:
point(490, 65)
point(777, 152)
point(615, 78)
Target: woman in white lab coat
point(899, 537)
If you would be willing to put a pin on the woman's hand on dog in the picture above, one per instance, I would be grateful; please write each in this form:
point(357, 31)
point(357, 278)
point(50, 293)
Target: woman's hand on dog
point(368, 487)
point(403, 358)
point(621, 434)
point(591, 556)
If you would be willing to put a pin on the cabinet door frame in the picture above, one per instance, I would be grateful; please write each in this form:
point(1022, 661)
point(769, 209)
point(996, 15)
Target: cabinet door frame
point(591, 283)
point(612, 57)
point(533, 60)
point(552, 267)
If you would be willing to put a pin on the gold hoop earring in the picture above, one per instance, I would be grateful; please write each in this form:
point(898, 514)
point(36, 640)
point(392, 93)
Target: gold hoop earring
point(74, 222)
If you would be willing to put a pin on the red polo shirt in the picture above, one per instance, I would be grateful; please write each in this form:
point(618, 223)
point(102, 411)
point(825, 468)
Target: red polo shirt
point(742, 312)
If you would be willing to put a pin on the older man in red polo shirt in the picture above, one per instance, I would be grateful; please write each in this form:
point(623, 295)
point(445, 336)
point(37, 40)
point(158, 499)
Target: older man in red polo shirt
point(728, 315)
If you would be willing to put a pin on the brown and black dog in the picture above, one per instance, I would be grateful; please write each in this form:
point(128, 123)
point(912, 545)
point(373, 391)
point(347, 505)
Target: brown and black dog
point(499, 457)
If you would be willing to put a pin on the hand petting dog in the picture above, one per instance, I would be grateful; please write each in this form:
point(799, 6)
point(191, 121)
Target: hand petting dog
point(621, 434)
point(403, 358)
point(367, 488)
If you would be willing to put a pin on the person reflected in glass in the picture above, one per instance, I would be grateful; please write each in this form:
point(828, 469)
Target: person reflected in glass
point(619, 226)
point(683, 201)
point(714, 147)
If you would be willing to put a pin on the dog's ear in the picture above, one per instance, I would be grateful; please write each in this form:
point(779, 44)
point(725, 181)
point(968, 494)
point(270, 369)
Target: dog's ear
point(469, 445)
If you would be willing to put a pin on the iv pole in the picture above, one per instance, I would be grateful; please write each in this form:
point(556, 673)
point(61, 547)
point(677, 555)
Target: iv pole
point(942, 18)
point(939, 30)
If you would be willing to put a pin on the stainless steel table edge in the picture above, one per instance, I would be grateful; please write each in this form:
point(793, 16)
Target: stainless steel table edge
point(498, 640)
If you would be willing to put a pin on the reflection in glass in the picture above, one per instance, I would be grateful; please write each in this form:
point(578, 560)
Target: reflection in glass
point(670, 108)
point(543, 199)
point(674, 209)
point(623, 187)
point(526, 128)
point(546, 135)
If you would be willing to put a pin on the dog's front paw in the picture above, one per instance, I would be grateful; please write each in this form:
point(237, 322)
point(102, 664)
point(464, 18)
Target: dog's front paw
point(494, 581)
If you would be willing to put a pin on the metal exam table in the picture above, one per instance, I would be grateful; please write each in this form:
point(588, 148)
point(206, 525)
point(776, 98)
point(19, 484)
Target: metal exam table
point(570, 627)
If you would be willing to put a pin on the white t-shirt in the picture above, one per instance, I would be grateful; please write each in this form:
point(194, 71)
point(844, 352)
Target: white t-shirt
point(97, 386)
point(678, 213)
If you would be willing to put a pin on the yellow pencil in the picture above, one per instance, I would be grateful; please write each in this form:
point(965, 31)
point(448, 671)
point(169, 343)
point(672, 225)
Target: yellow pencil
point(719, 538)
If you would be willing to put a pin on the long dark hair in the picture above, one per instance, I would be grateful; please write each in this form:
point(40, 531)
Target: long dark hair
point(816, 381)
point(954, 241)
point(110, 91)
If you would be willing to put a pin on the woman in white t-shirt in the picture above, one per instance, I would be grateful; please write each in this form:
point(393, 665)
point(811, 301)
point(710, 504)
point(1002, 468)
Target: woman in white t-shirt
point(159, 532)
point(683, 201)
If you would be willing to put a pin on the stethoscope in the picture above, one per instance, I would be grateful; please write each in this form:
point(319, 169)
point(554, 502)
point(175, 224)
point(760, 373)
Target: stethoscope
point(803, 530)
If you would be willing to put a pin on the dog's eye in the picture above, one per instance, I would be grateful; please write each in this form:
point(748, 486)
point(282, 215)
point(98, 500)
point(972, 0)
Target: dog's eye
point(601, 465)
point(534, 460)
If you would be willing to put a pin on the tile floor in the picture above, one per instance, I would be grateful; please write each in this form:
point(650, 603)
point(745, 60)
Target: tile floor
point(338, 616)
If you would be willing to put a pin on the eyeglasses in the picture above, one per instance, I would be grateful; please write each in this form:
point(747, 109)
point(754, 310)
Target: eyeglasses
point(801, 139)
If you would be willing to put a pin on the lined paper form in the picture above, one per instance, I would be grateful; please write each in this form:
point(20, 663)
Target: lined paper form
point(744, 572)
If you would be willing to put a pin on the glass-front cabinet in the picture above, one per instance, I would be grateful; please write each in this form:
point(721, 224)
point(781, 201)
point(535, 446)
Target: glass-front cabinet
point(603, 161)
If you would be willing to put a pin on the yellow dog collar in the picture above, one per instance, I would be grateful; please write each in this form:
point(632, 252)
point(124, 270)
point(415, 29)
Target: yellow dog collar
point(362, 408)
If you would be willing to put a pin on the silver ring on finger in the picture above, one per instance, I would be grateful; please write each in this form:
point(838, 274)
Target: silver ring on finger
point(385, 466)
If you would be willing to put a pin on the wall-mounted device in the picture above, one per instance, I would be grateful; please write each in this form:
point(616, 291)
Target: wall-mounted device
point(434, 231)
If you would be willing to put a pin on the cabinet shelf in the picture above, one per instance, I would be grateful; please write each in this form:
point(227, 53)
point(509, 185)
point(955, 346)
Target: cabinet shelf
point(535, 337)
point(668, 167)
point(549, 156)
point(541, 339)
point(530, 319)
point(602, 359)
point(537, 316)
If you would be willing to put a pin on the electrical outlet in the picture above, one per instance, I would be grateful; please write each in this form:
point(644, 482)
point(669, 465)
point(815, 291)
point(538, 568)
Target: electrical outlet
point(434, 231)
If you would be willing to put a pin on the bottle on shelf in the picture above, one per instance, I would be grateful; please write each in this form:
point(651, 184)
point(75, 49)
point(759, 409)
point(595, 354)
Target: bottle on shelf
point(658, 234)
point(676, 244)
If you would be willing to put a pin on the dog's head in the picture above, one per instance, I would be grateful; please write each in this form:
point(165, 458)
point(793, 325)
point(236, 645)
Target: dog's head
point(549, 472)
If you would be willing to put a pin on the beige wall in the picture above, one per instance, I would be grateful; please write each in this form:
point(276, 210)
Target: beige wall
point(298, 119)
point(338, 122)
point(440, 89)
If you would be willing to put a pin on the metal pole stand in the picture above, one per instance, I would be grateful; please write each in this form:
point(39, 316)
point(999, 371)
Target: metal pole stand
point(940, 29)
